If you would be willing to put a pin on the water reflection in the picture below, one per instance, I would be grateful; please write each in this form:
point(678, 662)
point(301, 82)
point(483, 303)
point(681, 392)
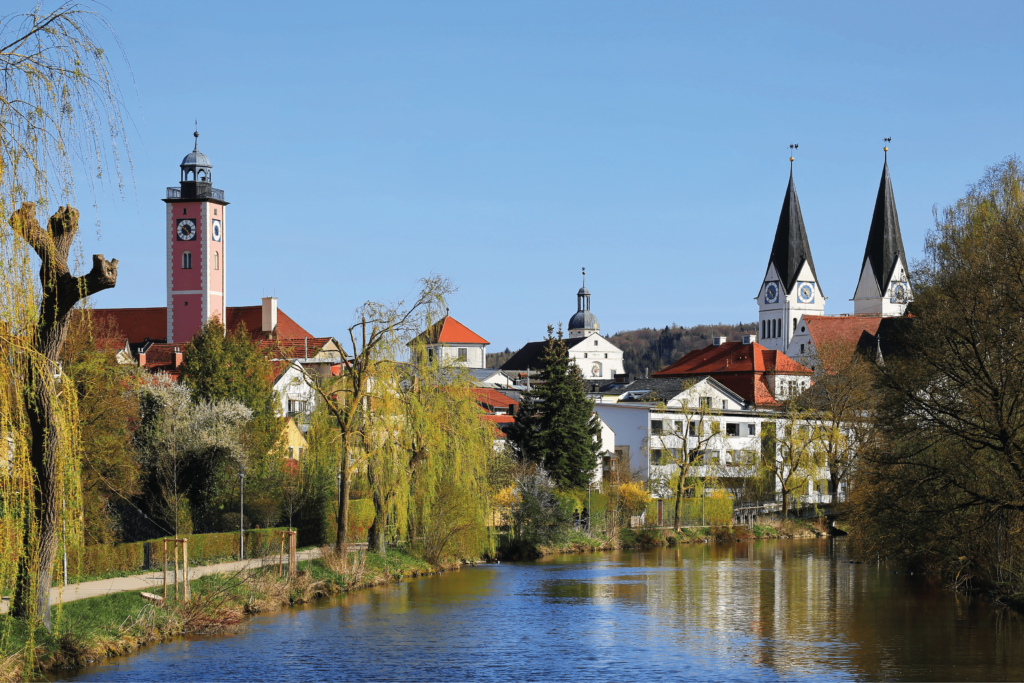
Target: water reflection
point(766, 610)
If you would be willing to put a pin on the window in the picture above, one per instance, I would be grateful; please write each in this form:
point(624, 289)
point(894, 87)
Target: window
point(725, 404)
point(794, 324)
point(801, 348)
point(732, 429)
point(705, 402)
point(430, 354)
point(584, 354)
point(296, 406)
point(657, 427)
point(463, 354)
point(291, 453)
point(730, 458)
point(678, 427)
point(215, 212)
point(184, 211)
point(186, 260)
point(694, 428)
point(595, 342)
point(713, 457)
point(751, 429)
point(606, 355)
point(657, 456)
point(216, 261)
point(772, 331)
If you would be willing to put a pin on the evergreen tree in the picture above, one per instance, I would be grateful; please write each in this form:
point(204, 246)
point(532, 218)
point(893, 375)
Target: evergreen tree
point(556, 426)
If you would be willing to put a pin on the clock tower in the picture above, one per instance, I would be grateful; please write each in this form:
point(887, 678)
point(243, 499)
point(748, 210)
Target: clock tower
point(883, 288)
point(196, 238)
point(790, 288)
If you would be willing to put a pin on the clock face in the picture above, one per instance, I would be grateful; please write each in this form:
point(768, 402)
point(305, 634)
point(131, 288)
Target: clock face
point(771, 293)
point(899, 293)
point(186, 230)
point(805, 292)
point(216, 231)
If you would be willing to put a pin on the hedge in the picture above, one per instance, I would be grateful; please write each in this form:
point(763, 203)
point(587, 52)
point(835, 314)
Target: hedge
point(95, 560)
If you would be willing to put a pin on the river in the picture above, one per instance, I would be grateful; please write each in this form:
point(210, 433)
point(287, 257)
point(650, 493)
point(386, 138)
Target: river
point(768, 610)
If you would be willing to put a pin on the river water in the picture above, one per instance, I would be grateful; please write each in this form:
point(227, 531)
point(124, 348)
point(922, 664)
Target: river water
point(768, 610)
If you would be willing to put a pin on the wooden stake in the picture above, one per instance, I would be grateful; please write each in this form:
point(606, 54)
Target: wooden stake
point(280, 564)
point(292, 568)
point(165, 571)
point(184, 552)
point(175, 569)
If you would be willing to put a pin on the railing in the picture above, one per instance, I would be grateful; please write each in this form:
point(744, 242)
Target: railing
point(199, 193)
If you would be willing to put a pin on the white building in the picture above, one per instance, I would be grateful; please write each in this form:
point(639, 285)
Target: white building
point(597, 358)
point(451, 341)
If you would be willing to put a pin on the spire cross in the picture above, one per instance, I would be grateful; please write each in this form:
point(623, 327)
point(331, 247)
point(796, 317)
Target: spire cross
point(792, 147)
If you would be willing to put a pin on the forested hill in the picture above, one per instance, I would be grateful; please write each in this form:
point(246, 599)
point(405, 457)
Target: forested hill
point(650, 349)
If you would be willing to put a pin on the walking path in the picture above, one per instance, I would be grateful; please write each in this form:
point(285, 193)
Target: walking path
point(154, 581)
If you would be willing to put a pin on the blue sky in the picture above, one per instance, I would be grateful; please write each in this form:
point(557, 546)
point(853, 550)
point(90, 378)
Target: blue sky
point(505, 145)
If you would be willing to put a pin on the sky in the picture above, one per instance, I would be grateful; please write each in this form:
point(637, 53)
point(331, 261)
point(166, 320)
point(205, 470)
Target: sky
point(507, 145)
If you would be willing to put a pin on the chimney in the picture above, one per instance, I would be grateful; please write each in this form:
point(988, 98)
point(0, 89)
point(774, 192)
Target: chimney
point(749, 338)
point(142, 359)
point(269, 314)
point(718, 341)
point(177, 357)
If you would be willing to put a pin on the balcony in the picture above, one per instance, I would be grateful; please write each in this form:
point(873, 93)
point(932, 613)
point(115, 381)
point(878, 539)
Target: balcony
point(199, 191)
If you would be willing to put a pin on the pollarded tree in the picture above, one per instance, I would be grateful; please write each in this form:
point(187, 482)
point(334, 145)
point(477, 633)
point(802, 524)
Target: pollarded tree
point(59, 107)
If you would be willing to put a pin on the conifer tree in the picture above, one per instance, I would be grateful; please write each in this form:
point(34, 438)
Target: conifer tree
point(556, 426)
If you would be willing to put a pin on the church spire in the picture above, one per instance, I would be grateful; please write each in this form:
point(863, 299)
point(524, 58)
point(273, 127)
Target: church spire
point(885, 243)
point(791, 248)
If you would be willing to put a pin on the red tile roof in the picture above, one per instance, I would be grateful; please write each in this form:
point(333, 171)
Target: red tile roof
point(448, 330)
point(500, 419)
point(493, 398)
point(139, 324)
point(740, 367)
point(293, 348)
point(846, 330)
point(732, 358)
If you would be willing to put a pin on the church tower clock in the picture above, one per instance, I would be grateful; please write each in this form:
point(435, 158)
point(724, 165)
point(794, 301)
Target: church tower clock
point(790, 288)
point(196, 238)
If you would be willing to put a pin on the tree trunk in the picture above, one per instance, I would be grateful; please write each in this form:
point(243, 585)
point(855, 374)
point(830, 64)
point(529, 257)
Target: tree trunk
point(375, 536)
point(60, 292)
point(341, 540)
point(679, 502)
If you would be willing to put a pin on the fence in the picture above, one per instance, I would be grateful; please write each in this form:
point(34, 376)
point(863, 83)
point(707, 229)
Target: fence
point(693, 512)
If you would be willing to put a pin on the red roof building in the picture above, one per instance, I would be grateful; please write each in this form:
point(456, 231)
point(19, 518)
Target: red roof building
point(750, 370)
point(450, 340)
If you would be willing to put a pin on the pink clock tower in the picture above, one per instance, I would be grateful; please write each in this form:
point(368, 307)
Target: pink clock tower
point(196, 239)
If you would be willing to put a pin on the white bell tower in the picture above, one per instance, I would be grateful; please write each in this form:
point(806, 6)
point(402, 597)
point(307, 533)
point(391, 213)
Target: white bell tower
point(790, 288)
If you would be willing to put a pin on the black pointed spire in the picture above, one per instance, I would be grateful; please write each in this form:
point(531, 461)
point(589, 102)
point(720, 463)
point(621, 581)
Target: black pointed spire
point(885, 243)
point(791, 247)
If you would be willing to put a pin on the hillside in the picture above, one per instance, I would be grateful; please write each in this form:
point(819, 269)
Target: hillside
point(650, 349)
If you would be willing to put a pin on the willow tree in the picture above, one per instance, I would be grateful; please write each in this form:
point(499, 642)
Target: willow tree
point(368, 372)
point(60, 109)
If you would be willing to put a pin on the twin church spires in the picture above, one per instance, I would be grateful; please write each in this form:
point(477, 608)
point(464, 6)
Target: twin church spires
point(791, 290)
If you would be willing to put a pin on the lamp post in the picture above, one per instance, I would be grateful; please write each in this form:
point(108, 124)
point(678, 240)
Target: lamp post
point(241, 515)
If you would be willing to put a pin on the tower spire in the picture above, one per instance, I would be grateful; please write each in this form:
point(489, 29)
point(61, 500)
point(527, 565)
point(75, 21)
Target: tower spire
point(885, 242)
point(791, 247)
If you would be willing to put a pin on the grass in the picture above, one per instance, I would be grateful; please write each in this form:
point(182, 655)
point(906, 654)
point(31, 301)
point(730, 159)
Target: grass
point(94, 628)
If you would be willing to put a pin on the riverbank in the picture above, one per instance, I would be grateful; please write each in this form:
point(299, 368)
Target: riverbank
point(574, 542)
point(91, 629)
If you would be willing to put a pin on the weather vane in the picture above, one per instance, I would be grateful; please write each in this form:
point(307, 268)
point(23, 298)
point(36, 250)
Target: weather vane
point(886, 148)
point(793, 147)
point(584, 276)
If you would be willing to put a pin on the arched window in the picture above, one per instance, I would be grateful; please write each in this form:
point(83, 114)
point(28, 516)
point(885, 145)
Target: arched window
point(216, 260)
point(202, 176)
point(773, 328)
point(794, 325)
point(186, 260)
point(190, 175)
point(763, 335)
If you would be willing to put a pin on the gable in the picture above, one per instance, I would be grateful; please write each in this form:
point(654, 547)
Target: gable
point(587, 345)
